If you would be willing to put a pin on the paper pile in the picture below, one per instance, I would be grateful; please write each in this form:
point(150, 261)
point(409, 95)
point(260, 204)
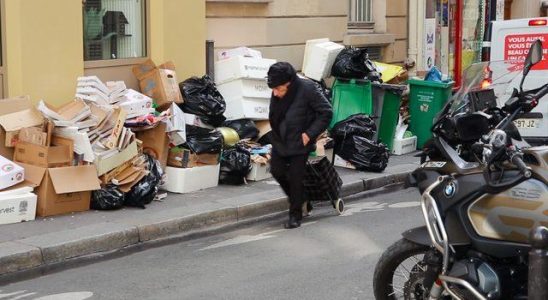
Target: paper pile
point(93, 90)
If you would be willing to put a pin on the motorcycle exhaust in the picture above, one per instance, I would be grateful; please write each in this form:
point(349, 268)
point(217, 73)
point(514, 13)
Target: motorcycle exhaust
point(538, 264)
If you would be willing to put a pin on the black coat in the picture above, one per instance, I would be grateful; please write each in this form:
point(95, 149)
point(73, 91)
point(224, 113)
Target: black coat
point(309, 112)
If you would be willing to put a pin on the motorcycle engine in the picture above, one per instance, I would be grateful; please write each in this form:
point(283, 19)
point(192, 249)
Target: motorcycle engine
point(480, 274)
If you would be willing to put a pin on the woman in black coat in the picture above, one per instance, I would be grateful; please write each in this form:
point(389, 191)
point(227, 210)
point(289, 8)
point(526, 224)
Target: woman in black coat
point(299, 113)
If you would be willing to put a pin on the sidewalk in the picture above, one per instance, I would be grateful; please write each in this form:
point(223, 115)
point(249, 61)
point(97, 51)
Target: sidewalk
point(51, 240)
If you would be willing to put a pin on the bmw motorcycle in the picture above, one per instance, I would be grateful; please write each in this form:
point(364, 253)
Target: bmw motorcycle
point(483, 191)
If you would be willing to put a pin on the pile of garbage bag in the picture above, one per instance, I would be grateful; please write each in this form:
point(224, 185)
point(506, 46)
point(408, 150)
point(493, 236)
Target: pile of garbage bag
point(235, 165)
point(353, 142)
point(354, 63)
point(202, 98)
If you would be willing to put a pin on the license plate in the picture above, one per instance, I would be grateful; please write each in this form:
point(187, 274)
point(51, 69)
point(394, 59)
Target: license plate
point(527, 123)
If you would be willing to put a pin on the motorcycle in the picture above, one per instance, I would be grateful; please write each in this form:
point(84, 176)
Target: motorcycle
point(483, 191)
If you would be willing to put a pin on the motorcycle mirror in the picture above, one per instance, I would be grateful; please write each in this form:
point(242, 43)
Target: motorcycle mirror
point(533, 57)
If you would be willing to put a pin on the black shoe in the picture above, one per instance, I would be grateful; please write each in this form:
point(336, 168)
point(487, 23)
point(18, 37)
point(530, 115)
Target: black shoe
point(292, 223)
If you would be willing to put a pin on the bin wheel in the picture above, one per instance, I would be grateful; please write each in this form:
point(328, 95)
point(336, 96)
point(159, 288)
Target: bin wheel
point(339, 206)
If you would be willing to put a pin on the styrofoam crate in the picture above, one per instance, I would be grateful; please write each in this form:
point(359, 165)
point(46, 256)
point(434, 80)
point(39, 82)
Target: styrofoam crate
point(247, 108)
point(321, 57)
point(186, 180)
point(241, 67)
point(254, 88)
point(404, 146)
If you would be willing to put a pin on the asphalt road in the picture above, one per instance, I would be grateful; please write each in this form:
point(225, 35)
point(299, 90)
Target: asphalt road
point(329, 257)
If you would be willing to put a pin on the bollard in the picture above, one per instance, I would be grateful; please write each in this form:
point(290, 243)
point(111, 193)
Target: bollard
point(538, 264)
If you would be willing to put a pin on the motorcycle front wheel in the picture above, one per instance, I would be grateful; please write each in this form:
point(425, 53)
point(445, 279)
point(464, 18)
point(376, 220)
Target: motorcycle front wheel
point(400, 272)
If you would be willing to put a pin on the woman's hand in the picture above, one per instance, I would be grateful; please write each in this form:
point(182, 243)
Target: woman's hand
point(306, 139)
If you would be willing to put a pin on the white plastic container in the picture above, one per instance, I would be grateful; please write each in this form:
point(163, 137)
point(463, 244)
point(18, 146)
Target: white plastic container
point(321, 57)
point(404, 146)
point(247, 108)
point(259, 172)
point(253, 88)
point(240, 51)
point(241, 67)
point(187, 180)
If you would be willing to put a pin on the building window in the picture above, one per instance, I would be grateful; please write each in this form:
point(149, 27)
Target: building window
point(360, 14)
point(114, 29)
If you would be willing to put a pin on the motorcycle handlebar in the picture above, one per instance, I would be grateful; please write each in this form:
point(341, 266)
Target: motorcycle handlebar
point(517, 160)
point(542, 92)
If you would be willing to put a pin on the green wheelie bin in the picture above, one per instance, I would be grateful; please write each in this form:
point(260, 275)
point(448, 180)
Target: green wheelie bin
point(350, 96)
point(426, 100)
point(390, 113)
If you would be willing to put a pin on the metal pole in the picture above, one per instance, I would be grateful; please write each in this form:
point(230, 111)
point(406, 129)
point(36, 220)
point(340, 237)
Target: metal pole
point(538, 264)
point(210, 58)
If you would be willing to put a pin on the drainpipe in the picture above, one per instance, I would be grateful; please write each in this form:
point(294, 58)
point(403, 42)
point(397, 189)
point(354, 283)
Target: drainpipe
point(412, 52)
point(210, 58)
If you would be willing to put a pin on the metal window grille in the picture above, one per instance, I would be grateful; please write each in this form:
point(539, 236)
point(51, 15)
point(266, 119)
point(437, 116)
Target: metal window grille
point(360, 12)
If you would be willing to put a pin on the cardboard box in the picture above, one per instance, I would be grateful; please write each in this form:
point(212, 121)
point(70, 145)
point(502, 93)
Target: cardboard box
point(156, 143)
point(10, 173)
point(253, 88)
point(242, 67)
point(12, 123)
point(259, 172)
point(186, 180)
point(159, 83)
point(184, 158)
point(8, 106)
point(247, 108)
point(44, 156)
point(240, 51)
point(67, 114)
point(264, 127)
point(176, 127)
point(404, 146)
point(17, 206)
point(321, 57)
point(136, 104)
point(340, 162)
point(105, 165)
point(34, 135)
point(62, 190)
point(194, 120)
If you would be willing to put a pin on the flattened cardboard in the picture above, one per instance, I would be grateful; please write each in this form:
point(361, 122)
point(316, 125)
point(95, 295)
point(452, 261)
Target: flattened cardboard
point(105, 165)
point(74, 179)
point(118, 119)
point(183, 158)
point(14, 122)
point(10, 173)
point(33, 176)
point(8, 106)
point(156, 143)
point(42, 156)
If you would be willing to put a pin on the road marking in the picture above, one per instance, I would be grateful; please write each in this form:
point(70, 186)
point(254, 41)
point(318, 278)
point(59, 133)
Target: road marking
point(351, 209)
point(63, 296)
point(405, 204)
point(242, 239)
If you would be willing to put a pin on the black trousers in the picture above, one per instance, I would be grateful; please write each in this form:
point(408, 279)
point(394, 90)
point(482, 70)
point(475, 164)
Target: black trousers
point(289, 172)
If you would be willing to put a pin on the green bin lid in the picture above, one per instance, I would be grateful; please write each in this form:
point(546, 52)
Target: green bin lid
point(444, 85)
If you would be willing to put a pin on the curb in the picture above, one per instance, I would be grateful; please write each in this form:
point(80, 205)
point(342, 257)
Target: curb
point(50, 249)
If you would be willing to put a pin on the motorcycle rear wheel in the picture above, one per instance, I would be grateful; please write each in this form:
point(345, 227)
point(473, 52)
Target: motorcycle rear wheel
point(399, 272)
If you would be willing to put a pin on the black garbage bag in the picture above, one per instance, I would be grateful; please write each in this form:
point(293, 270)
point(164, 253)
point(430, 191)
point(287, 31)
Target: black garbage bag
point(196, 130)
point(350, 63)
point(202, 98)
point(245, 128)
point(146, 190)
point(211, 142)
point(364, 154)
point(107, 198)
point(357, 124)
point(235, 165)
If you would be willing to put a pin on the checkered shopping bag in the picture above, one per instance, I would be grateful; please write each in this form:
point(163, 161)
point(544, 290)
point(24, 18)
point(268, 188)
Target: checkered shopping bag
point(321, 181)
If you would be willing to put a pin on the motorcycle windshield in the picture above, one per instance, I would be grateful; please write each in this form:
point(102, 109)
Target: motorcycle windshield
point(501, 76)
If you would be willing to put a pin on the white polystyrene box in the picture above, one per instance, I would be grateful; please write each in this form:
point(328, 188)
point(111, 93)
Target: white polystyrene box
point(321, 57)
point(247, 108)
point(187, 180)
point(17, 206)
point(241, 67)
point(259, 172)
point(253, 88)
point(404, 146)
